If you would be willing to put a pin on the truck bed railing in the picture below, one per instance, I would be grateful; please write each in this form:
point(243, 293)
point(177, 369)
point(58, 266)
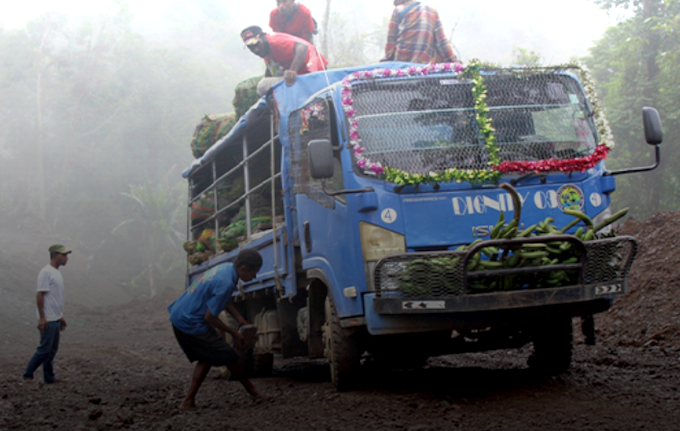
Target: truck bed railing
point(216, 173)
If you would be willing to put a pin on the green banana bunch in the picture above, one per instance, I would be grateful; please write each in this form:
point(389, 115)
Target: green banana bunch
point(422, 276)
point(550, 252)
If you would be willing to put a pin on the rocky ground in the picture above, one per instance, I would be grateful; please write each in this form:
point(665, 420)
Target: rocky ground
point(125, 371)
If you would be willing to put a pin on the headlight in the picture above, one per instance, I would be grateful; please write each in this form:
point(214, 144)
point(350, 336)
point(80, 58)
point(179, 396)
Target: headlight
point(601, 217)
point(377, 242)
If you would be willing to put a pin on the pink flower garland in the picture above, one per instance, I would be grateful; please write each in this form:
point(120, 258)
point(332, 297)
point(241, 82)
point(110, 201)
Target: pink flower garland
point(369, 167)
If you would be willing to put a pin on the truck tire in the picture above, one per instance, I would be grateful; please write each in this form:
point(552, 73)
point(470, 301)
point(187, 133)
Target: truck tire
point(341, 347)
point(259, 364)
point(553, 345)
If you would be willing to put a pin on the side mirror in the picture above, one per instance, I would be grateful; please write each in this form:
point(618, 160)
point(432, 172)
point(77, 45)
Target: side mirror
point(320, 159)
point(652, 123)
point(653, 135)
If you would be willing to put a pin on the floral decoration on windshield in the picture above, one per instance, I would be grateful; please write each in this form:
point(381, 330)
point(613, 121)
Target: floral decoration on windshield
point(497, 167)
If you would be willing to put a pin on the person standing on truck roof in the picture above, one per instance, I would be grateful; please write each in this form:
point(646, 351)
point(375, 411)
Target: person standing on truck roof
point(50, 299)
point(284, 56)
point(195, 322)
point(416, 35)
point(293, 18)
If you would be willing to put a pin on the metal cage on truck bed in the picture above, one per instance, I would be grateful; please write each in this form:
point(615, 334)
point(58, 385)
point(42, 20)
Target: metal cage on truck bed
point(235, 198)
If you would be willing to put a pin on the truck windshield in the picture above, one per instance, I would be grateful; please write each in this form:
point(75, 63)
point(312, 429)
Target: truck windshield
point(429, 124)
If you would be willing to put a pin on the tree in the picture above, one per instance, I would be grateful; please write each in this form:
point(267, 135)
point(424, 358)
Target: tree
point(635, 65)
point(108, 109)
point(326, 19)
point(350, 44)
point(155, 229)
point(525, 57)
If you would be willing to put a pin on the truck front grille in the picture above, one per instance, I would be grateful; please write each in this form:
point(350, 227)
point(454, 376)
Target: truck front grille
point(480, 270)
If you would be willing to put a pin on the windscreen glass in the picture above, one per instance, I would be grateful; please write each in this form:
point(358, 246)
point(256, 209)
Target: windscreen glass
point(430, 124)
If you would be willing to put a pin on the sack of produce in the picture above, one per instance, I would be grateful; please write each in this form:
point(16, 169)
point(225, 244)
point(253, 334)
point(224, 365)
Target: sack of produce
point(210, 130)
point(246, 95)
point(207, 239)
point(203, 208)
point(229, 236)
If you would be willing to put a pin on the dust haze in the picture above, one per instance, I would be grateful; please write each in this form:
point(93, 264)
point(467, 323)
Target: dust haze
point(98, 104)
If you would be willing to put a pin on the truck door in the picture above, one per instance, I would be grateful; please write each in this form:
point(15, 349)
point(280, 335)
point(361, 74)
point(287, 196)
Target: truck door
point(328, 238)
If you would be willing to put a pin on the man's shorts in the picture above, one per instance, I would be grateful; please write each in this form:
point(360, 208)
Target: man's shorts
point(209, 347)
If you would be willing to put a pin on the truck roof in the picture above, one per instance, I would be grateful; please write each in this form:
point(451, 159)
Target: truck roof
point(255, 122)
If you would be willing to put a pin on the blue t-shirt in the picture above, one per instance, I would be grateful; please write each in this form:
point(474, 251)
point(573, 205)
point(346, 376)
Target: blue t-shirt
point(212, 291)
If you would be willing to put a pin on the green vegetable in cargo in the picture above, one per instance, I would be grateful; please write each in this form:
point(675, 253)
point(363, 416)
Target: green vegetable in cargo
point(425, 276)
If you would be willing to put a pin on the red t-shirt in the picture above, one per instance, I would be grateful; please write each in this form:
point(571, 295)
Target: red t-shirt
point(282, 52)
point(300, 24)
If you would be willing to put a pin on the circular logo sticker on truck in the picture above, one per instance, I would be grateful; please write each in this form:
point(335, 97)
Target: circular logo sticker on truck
point(389, 216)
point(570, 197)
point(596, 200)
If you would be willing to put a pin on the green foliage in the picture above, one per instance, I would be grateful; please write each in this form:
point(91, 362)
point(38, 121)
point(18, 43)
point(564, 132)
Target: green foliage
point(88, 109)
point(350, 45)
point(625, 4)
point(154, 228)
point(635, 65)
point(525, 57)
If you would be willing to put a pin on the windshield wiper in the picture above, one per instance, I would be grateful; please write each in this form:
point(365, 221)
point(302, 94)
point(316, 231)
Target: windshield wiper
point(516, 181)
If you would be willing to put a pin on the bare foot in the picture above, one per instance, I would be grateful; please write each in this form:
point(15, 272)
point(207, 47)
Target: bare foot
point(187, 406)
point(260, 398)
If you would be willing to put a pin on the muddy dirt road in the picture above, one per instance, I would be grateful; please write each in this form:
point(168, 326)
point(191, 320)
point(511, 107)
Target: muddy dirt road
point(125, 371)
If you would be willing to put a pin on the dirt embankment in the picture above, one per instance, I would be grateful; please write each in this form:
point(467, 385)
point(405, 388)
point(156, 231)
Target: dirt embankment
point(649, 314)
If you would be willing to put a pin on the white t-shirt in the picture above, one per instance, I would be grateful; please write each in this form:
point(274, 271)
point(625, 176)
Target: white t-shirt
point(51, 281)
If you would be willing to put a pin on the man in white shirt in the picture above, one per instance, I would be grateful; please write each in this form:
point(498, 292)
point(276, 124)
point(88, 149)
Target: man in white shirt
point(50, 299)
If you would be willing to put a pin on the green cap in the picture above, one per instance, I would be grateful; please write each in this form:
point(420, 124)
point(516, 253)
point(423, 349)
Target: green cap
point(59, 248)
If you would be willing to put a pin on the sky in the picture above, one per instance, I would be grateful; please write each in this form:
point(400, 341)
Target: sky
point(484, 29)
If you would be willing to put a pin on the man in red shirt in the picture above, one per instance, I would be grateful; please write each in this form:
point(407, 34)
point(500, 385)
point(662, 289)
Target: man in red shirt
point(283, 54)
point(292, 18)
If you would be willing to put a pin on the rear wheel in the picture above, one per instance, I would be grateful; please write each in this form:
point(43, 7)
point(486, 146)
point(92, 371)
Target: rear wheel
point(553, 345)
point(341, 347)
point(259, 364)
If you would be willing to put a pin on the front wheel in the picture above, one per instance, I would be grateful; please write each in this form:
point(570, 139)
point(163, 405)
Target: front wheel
point(341, 347)
point(553, 345)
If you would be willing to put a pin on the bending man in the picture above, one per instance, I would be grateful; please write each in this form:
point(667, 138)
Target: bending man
point(284, 55)
point(194, 317)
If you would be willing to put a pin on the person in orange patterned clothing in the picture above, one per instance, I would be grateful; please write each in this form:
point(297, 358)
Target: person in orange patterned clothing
point(416, 35)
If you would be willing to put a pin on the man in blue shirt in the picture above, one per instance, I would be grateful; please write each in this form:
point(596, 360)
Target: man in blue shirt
point(194, 317)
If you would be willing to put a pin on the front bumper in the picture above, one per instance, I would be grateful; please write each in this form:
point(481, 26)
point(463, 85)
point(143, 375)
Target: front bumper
point(447, 300)
point(522, 299)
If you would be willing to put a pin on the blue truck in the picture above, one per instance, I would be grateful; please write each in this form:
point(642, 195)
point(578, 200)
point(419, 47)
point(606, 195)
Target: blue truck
point(406, 211)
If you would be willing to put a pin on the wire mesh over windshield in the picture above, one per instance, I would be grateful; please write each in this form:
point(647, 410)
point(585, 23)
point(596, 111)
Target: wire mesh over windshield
point(426, 124)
